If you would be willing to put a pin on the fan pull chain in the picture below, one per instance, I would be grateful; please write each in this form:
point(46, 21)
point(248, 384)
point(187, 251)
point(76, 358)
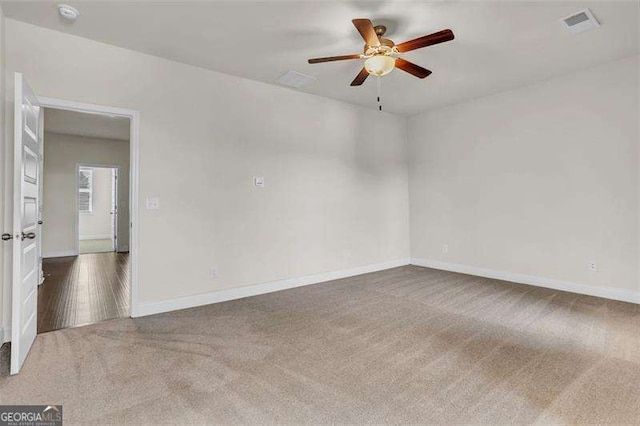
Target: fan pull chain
point(379, 93)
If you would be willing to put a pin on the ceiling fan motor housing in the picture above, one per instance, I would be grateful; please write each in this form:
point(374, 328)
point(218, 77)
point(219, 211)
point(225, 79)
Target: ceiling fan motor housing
point(386, 45)
point(383, 49)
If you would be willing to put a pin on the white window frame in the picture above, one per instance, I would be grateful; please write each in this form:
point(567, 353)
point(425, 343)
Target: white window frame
point(87, 190)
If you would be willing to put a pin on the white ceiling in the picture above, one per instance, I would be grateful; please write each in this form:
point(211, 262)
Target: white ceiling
point(498, 45)
point(86, 124)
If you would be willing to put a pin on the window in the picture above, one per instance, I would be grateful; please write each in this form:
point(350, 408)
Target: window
point(85, 191)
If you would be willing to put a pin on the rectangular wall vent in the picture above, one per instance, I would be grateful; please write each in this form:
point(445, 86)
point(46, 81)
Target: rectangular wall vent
point(581, 21)
point(295, 79)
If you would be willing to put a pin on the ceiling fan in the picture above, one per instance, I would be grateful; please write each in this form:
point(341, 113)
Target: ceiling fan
point(381, 54)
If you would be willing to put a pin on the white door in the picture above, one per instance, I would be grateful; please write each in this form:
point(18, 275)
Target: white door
point(25, 223)
point(114, 208)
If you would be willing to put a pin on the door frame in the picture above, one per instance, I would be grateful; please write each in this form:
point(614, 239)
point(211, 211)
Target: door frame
point(40, 198)
point(76, 211)
point(134, 143)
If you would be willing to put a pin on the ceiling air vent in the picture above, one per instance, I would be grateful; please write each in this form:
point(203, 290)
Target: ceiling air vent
point(581, 21)
point(294, 79)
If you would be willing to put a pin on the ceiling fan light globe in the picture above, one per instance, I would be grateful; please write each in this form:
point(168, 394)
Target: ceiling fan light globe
point(379, 65)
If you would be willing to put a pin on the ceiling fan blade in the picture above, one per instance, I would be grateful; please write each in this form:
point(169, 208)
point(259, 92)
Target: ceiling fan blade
point(365, 28)
point(424, 41)
point(360, 78)
point(333, 58)
point(412, 68)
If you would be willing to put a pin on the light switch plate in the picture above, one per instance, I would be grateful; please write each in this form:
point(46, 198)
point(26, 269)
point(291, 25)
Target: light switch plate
point(152, 203)
point(258, 181)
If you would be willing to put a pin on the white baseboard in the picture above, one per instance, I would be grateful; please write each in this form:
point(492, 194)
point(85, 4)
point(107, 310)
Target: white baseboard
point(5, 334)
point(96, 237)
point(59, 253)
point(150, 308)
point(605, 292)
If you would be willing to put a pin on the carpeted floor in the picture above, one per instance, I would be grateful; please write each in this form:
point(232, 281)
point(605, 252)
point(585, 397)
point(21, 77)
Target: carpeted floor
point(407, 345)
point(95, 246)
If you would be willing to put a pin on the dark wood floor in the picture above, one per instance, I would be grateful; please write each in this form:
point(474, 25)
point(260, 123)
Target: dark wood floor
point(84, 289)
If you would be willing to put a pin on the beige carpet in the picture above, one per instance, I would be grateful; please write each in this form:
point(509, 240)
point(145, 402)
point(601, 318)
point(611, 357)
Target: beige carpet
point(408, 345)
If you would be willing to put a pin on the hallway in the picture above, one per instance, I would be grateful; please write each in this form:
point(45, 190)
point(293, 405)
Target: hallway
point(104, 245)
point(84, 289)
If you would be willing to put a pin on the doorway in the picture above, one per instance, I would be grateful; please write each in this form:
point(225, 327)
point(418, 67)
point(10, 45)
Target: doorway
point(97, 208)
point(85, 216)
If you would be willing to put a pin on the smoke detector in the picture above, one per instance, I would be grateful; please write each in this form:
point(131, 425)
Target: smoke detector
point(68, 12)
point(581, 21)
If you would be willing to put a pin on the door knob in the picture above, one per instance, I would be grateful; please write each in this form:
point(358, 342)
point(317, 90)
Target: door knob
point(29, 235)
point(6, 237)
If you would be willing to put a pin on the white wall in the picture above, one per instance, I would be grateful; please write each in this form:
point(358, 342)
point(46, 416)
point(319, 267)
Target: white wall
point(336, 175)
point(97, 224)
point(535, 181)
point(61, 154)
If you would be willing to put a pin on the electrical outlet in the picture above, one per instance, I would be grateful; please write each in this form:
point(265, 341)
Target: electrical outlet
point(214, 272)
point(445, 248)
point(258, 181)
point(593, 266)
